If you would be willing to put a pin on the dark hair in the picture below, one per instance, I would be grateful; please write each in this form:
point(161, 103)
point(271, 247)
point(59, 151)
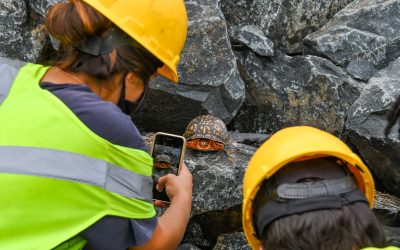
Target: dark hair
point(351, 227)
point(392, 115)
point(71, 23)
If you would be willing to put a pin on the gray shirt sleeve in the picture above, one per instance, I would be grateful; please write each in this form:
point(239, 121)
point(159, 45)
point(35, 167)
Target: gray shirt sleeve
point(116, 233)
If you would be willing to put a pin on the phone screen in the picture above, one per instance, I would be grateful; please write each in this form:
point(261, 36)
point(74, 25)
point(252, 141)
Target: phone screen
point(167, 153)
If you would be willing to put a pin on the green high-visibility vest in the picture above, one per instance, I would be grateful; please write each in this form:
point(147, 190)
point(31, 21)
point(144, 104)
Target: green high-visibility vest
point(57, 177)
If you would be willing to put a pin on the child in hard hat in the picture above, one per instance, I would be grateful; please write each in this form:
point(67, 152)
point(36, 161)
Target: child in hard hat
point(305, 189)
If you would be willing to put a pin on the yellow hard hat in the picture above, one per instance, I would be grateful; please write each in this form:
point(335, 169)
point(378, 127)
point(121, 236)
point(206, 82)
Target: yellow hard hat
point(296, 144)
point(158, 25)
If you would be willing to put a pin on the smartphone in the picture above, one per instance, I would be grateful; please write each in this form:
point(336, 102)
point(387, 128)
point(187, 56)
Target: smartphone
point(168, 151)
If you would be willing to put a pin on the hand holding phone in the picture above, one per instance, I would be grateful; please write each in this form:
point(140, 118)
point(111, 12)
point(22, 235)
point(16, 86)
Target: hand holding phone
point(177, 187)
point(168, 151)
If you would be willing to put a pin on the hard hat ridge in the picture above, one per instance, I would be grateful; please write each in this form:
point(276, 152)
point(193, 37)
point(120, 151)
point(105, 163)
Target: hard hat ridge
point(307, 186)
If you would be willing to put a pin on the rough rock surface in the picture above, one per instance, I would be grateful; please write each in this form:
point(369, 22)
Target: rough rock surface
point(209, 80)
point(365, 29)
point(23, 35)
point(188, 246)
point(361, 69)
point(253, 38)
point(217, 177)
point(367, 121)
point(235, 241)
point(217, 192)
point(287, 91)
point(387, 208)
point(41, 6)
point(285, 22)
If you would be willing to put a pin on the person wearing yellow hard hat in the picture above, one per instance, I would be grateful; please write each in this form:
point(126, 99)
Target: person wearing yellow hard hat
point(305, 189)
point(74, 169)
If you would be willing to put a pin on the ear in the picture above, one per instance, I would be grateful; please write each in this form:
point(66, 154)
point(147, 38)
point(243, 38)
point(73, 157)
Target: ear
point(134, 87)
point(260, 248)
point(131, 77)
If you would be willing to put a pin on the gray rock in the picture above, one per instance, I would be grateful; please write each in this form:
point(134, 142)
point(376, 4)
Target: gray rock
point(217, 192)
point(22, 33)
point(188, 246)
point(210, 225)
point(365, 29)
point(361, 70)
point(386, 208)
point(301, 90)
point(41, 6)
point(252, 139)
point(235, 241)
point(285, 22)
point(209, 79)
point(366, 123)
point(386, 201)
point(253, 38)
point(194, 235)
point(392, 236)
point(218, 177)
point(13, 13)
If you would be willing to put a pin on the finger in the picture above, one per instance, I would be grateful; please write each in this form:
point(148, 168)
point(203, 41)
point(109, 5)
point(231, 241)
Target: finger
point(160, 187)
point(161, 204)
point(162, 182)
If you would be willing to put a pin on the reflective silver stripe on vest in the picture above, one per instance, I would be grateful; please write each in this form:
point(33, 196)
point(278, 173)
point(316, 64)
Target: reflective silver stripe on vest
point(8, 71)
point(75, 167)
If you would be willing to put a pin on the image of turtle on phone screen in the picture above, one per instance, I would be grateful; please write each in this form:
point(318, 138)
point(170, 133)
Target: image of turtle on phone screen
point(168, 153)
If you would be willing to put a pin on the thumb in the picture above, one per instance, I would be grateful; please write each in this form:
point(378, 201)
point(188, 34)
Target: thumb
point(161, 183)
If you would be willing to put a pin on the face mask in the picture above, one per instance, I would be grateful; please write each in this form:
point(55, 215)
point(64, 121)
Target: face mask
point(129, 107)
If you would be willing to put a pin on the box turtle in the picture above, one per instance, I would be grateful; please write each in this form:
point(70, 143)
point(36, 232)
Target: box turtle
point(206, 133)
point(162, 161)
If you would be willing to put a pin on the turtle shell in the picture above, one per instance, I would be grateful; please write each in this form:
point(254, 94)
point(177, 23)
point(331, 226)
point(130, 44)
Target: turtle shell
point(207, 127)
point(163, 158)
point(162, 161)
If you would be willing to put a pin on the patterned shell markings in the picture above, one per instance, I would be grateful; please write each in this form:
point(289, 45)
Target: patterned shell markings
point(206, 133)
point(162, 161)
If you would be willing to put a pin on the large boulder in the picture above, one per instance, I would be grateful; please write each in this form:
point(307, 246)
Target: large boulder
point(217, 192)
point(234, 241)
point(253, 38)
point(387, 207)
point(365, 29)
point(300, 90)
point(188, 246)
point(218, 177)
point(285, 22)
point(209, 81)
point(41, 6)
point(23, 34)
point(366, 123)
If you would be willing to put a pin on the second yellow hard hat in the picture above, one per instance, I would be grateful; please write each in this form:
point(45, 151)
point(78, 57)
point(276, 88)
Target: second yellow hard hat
point(290, 145)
